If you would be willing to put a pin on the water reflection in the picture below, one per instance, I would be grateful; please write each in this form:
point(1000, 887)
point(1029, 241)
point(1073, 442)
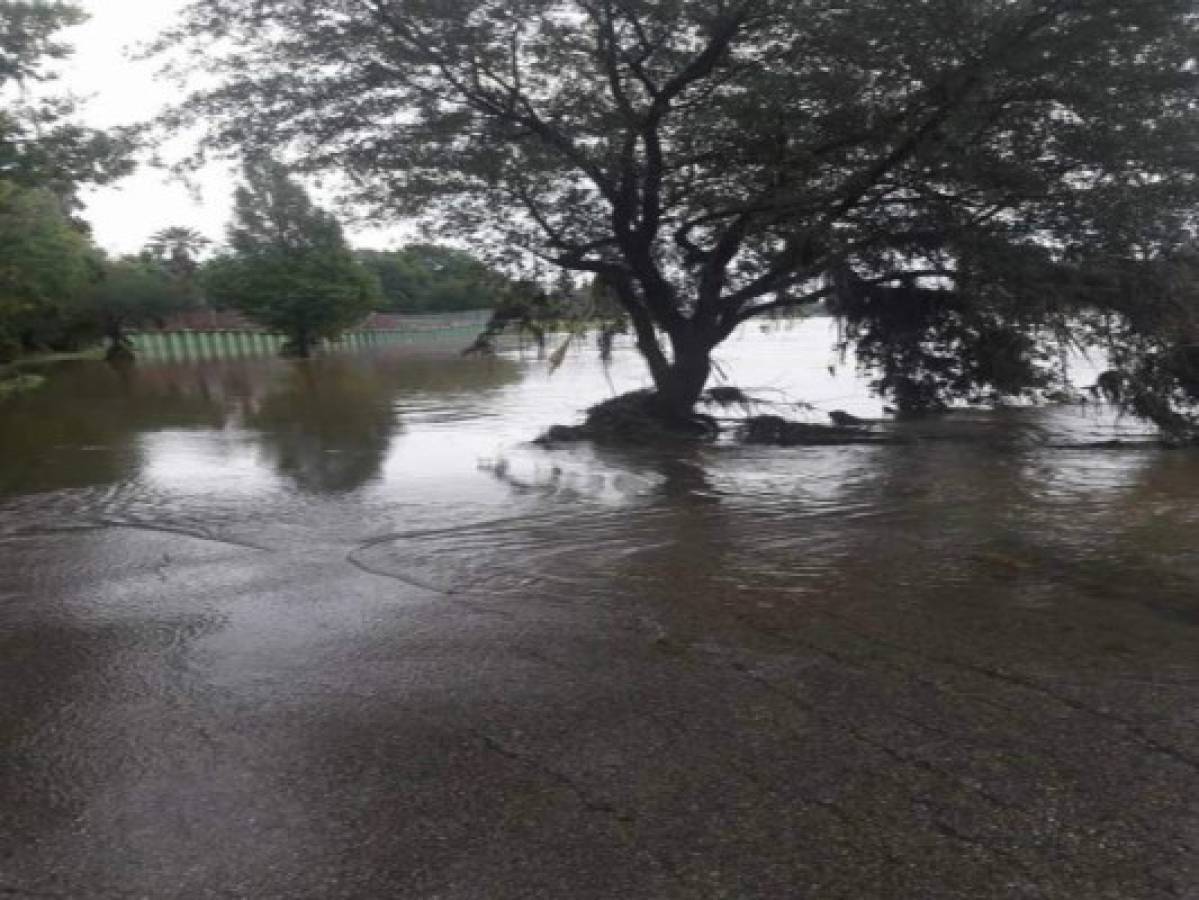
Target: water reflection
point(83, 427)
point(326, 425)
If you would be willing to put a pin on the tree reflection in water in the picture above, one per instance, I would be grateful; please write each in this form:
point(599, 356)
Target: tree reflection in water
point(327, 425)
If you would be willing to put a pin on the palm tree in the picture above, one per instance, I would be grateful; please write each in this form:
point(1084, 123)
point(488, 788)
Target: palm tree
point(177, 248)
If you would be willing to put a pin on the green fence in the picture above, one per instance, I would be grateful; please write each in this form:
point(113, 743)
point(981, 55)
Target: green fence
point(188, 346)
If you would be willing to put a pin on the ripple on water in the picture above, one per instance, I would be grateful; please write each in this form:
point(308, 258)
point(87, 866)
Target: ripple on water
point(430, 454)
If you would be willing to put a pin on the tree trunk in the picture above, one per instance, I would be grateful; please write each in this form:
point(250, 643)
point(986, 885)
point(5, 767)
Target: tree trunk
point(119, 347)
point(678, 380)
point(681, 383)
point(299, 345)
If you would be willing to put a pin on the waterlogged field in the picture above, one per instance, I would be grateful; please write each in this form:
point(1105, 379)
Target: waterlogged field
point(337, 629)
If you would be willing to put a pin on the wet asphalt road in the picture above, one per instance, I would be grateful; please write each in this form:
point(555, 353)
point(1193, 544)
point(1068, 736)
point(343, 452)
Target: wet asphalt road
point(239, 723)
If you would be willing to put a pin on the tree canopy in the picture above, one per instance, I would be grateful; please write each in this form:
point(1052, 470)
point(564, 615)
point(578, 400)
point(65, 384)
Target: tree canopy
point(717, 159)
point(47, 260)
point(29, 37)
point(41, 145)
point(288, 266)
point(177, 249)
point(131, 292)
point(45, 264)
point(426, 278)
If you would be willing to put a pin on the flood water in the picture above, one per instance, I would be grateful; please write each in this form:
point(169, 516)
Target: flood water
point(337, 629)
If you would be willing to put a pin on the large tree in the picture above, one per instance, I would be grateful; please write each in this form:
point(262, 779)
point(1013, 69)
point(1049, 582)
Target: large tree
point(45, 265)
point(47, 261)
point(41, 144)
point(131, 292)
point(288, 266)
point(981, 165)
point(177, 249)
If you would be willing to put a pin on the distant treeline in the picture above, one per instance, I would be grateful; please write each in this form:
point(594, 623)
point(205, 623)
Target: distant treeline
point(426, 278)
point(74, 295)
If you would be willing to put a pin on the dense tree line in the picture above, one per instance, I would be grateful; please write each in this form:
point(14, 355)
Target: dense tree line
point(426, 278)
point(286, 264)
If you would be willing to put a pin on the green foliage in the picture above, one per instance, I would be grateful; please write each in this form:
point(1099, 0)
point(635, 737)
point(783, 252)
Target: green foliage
point(57, 290)
point(931, 347)
point(27, 31)
point(40, 144)
point(609, 316)
point(425, 278)
point(20, 383)
point(45, 265)
point(43, 259)
point(289, 267)
point(132, 292)
point(47, 261)
point(41, 147)
point(719, 161)
point(522, 306)
point(1152, 337)
point(177, 250)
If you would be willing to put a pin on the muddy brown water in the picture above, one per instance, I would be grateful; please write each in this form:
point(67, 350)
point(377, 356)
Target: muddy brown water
point(336, 629)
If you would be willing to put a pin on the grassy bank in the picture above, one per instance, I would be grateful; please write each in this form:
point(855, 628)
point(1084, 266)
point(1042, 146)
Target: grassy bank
point(18, 383)
point(15, 377)
point(36, 359)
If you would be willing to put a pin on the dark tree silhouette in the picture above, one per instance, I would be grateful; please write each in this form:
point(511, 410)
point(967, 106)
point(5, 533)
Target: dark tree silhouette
point(715, 160)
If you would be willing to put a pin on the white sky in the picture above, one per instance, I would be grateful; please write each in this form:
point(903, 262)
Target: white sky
point(122, 91)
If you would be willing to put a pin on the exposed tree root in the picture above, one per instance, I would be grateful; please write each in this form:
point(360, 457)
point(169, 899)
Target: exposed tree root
point(636, 418)
point(633, 418)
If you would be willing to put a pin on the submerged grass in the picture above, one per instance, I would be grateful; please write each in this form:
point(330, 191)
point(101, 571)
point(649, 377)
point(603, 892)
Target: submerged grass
point(18, 383)
point(16, 379)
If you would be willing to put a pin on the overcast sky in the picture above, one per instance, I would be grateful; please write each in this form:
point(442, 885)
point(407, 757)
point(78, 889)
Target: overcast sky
point(122, 91)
